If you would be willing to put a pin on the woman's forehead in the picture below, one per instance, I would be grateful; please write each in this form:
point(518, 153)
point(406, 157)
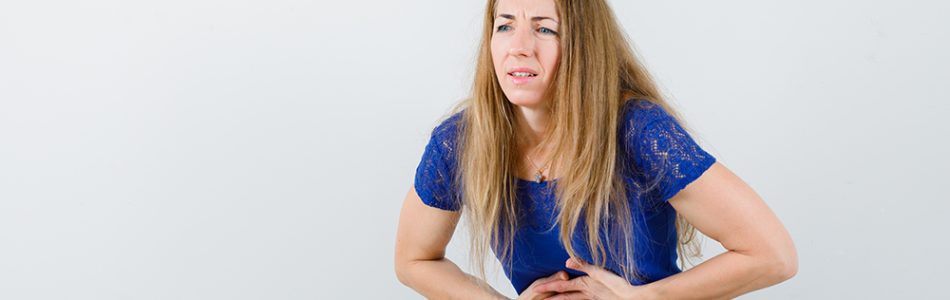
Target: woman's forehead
point(526, 8)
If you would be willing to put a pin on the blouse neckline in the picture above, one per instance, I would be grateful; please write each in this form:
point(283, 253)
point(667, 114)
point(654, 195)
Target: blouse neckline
point(535, 183)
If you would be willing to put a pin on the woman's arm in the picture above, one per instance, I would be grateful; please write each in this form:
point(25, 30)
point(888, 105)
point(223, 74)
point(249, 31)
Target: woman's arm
point(420, 261)
point(724, 208)
point(760, 251)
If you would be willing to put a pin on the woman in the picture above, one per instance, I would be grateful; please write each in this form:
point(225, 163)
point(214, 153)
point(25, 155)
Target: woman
point(573, 170)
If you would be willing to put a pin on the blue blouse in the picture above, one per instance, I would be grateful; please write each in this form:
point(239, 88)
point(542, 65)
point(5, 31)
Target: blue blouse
point(656, 152)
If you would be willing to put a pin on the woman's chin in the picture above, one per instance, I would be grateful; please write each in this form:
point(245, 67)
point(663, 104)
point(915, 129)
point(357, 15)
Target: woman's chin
point(531, 102)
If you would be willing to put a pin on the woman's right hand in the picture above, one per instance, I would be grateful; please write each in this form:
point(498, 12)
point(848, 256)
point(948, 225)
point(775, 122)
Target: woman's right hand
point(530, 294)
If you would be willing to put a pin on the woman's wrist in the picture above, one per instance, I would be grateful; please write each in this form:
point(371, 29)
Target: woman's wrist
point(644, 292)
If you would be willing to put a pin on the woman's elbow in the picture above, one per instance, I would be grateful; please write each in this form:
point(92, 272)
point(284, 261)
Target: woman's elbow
point(783, 266)
point(401, 267)
point(790, 267)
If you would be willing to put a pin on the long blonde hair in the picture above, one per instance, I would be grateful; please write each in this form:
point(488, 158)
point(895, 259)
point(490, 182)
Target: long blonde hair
point(598, 71)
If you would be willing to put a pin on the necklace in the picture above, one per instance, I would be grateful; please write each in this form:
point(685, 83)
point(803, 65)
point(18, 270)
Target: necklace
point(538, 175)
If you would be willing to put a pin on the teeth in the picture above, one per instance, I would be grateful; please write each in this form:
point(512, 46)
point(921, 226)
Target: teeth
point(522, 74)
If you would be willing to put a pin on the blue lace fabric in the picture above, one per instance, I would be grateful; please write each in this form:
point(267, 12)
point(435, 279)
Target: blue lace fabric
point(665, 156)
point(658, 157)
point(435, 180)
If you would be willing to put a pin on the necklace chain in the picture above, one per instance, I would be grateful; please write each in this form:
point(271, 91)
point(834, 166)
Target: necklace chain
point(539, 174)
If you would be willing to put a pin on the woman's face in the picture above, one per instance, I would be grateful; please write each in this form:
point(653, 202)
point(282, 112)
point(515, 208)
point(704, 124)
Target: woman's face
point(525, 49)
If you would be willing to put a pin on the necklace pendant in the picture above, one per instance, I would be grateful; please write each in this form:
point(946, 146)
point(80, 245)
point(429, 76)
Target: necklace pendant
point(537, 177)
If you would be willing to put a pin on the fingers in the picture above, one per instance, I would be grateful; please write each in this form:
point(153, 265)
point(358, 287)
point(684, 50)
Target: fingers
point(564, 286)
point(569, 296)
point(594, 271)
point(532, 294)
point(577, 264)
point(599, 282)
point(559, 275)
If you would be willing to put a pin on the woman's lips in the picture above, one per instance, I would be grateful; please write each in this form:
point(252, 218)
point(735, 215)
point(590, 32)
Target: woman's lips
point(519, 80)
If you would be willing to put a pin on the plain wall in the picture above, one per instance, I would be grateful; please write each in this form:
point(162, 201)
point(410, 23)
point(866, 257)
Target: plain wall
point(262, 149)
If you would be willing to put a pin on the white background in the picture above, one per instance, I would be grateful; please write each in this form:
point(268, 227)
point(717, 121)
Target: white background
point(262, 149)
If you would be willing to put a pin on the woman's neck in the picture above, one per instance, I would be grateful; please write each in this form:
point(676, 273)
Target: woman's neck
point(533, 147)
point(531, 124)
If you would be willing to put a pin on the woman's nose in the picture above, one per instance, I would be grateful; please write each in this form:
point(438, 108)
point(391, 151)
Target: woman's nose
point(519, 52)
point(522, 43)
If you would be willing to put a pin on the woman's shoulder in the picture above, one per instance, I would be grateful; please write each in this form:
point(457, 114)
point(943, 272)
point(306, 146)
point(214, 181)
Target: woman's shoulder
point(444, 137)
point(647, 125)
point(637, 113)
point(448, 126)
point(447, 130)
point(435, 174)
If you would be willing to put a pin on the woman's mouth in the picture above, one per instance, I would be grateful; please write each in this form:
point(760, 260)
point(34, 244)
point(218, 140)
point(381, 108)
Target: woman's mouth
point(521, 77)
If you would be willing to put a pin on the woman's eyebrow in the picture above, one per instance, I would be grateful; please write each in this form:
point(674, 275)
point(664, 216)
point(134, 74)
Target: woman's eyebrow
point(537, 18)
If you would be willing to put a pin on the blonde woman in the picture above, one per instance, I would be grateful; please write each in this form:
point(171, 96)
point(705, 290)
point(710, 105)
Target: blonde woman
point(571, 168)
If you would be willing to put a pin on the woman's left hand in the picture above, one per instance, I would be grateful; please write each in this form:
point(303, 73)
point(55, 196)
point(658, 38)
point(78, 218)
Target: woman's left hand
point(599, 284)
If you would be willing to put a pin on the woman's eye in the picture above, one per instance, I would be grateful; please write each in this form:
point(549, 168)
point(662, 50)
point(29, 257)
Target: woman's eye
point(503, 28)
point(545, 30)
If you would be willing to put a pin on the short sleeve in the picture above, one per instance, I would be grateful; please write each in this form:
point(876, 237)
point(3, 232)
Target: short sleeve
point(435, 176)
point(665, 156)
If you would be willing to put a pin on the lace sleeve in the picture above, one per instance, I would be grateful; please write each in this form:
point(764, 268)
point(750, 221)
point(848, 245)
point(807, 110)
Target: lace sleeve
point(665, 155)
point(434, 179)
